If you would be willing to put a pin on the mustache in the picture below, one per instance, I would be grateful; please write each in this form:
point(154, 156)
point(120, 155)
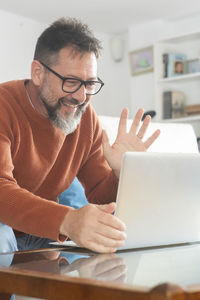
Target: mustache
point(52, 110)
point(71, 102)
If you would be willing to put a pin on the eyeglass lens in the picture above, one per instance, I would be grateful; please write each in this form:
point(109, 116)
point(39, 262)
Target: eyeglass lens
point(72, 85)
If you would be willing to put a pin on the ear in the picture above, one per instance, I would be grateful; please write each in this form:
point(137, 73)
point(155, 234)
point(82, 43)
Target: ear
point(37, 73)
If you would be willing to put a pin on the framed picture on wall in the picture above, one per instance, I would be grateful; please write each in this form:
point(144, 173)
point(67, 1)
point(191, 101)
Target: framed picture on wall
point(141, 61)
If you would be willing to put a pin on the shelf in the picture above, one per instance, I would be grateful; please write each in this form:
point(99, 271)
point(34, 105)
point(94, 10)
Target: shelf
point(182, 120)
point(182, 38)
point(180, 78)
point(188, 84)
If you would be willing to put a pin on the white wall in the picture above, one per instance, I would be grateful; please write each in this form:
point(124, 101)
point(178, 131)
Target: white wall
point(115, 95)
point(19, 36)
point(18, 39)
point(143, 35)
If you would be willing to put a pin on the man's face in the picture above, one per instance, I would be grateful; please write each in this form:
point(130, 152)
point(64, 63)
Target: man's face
point(74, 65)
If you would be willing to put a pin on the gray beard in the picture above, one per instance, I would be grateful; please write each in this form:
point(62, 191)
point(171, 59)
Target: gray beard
point(67, 126)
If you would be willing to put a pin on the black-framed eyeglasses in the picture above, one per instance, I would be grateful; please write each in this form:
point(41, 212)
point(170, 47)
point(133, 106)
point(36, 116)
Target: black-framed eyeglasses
point(72, 85)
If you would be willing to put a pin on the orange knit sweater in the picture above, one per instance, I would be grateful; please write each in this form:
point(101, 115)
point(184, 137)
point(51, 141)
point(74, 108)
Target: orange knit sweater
point(38, 162)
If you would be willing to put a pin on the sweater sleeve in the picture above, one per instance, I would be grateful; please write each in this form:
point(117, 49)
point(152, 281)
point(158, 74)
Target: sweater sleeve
point(97, 177)
point(20, 208)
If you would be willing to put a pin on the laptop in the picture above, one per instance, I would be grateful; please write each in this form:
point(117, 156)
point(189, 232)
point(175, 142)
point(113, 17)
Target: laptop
point(159, 198)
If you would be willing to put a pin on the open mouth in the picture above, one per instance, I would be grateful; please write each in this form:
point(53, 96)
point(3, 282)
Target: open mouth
point(71, 104)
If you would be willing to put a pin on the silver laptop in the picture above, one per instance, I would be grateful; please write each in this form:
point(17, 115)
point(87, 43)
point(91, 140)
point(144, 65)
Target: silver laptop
point(159, 198)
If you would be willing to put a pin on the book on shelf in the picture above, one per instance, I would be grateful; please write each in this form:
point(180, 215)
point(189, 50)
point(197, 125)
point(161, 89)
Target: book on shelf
point(173, 64)
point(192, 109)
point(173, 104)
point(165, 64)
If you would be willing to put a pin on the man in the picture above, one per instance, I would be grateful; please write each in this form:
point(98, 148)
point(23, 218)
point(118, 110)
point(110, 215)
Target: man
point(49, 134)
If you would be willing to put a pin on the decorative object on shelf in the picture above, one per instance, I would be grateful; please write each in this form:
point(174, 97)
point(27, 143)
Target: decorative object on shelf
point(173, 104)
point(173, 64)
point(117, 48)
point(192, 109)
point(151, 113)
point(193, 66)
point(198, 143)
point(141, 61)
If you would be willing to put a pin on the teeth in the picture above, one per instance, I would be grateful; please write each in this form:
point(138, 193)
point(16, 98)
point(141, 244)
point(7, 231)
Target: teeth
point(71, 105)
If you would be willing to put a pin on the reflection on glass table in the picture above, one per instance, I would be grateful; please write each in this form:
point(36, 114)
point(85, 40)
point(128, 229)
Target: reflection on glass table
point(107, 267)
point(146, 268)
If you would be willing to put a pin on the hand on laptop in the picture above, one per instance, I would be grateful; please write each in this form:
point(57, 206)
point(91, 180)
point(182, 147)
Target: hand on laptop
point(128, 141)
point(94, 227)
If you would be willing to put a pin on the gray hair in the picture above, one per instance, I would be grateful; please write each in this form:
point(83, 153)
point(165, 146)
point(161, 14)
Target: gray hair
point(63, 33)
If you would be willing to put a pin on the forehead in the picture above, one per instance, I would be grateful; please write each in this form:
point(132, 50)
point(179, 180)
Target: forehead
point(71, 61)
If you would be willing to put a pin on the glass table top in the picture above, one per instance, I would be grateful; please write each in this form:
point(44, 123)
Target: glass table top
point(140, 267)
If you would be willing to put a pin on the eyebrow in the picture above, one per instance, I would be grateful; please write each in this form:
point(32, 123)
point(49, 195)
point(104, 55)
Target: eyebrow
point(76, 77)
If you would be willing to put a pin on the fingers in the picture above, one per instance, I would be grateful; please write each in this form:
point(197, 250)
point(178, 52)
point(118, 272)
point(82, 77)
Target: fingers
point(107, 241)
point(152, 138)
point(141, 132)
point(99, 248)
point(106, 267)
point(136, 121)
point(107, 263)
point(112, 221)
point(92, 228)
point(108, 208)
point(118, 273)
point(110, 233)
point(144, 127)
point(123, 121)
point(113, 269)
point(101, 244)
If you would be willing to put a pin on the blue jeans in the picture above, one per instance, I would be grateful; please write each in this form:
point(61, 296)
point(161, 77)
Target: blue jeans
point(9, 243)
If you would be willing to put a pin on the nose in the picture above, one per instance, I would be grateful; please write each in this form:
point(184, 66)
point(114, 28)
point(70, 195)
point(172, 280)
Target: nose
point(80, 95)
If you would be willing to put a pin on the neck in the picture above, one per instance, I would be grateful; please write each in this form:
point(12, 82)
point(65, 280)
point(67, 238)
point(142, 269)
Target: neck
point(35, 99)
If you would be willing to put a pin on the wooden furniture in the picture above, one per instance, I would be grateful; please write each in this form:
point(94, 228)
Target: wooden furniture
point(55, 274)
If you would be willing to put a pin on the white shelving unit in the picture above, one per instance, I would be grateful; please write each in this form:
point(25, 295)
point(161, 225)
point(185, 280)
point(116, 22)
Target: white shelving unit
point(189, 84)
point(181, 78)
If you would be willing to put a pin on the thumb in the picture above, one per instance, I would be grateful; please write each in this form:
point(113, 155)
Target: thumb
point(107, 208)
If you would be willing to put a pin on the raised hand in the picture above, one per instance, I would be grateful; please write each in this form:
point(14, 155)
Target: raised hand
point(127, 141)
